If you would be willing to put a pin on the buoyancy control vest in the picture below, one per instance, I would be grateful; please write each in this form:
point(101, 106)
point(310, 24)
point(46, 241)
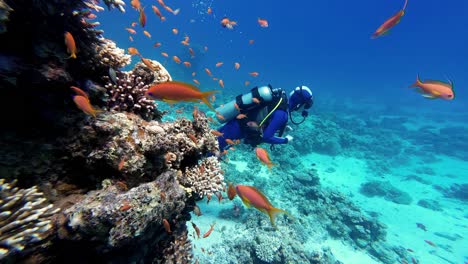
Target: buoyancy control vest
point(244, 103)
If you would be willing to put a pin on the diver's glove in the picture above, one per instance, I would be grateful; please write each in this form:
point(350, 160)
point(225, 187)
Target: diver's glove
point(305, 113)
point(289, 138)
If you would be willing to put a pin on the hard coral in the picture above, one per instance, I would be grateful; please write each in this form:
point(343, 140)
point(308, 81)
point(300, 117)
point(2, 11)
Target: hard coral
point(205, 179)
point(108, 54)
point(117, 218)
point(128, 93)
point(25, 218)
point(126, 226)
point(143, 146)
point(180, 251)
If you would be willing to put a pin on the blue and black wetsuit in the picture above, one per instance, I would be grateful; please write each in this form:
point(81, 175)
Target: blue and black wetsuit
point(271, 118)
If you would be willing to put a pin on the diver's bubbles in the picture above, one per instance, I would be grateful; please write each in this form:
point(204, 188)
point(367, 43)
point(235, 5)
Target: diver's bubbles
point(201, 8)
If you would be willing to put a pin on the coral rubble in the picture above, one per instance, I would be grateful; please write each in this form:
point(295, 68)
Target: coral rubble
point(25, 218)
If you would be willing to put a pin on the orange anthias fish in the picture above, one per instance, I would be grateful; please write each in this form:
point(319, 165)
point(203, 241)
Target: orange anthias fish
point(253, 74)
point(84, 105)
point(142, 17)
point(431, 89)
point(175, 91)
point(70, 43)
point(133, 51)
point(236, 65)
point(262, 22)
point(176, 59)
point(231, 191)
point(227, 23)
point(252, 197)
point(147, 33)
point(389, 23)
point(263, 156)
point(78, 91)
point(158, 13)
point(131, 31)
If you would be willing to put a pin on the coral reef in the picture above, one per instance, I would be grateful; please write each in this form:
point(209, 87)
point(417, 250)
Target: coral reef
point(109, 55)
point(430, 204)
point(144, 148)
point(128, 93)
point(25, 218)
point(180, 251)
point(5, 10)
point(456, 191)
point(341, 218)
point(205, 179)
point(116, 219)
point(385, 190)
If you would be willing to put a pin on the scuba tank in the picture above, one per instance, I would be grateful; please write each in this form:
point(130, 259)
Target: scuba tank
point(245, 103)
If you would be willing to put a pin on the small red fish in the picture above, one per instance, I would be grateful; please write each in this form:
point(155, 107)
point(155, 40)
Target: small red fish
point(78, 91)
point(167, 226)
point(197, 230)
point(389, 23)
point(431, 89)
point(84, 105)
point(142, 18)
point(71, 45)
point(254, 74)
point(262, 22)
point(208, 233)
point(231, 191)
point(174, 91)
point(263, 156)
point(252, 197)
point(121, 164)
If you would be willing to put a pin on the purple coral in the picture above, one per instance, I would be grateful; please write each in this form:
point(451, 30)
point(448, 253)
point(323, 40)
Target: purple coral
point(128, 94)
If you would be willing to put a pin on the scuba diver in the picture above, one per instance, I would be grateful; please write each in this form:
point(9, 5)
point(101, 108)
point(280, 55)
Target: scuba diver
point(257, 116)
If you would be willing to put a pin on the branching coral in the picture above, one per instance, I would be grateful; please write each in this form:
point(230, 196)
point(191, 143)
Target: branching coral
point(128, 93)
point(205, 179)
point(180, 251)
point(266, 248)
point(24, 217)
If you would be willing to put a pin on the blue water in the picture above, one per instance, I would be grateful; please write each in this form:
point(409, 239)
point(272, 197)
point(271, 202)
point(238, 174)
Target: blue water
point(356, 80)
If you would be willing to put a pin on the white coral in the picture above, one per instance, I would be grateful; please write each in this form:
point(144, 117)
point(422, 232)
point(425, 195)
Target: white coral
point(110, 55)
point(24, 217)
point(204, 179)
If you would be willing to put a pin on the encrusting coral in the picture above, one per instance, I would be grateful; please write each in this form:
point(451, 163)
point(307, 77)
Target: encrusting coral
point(117, 217)
point(25, 218)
